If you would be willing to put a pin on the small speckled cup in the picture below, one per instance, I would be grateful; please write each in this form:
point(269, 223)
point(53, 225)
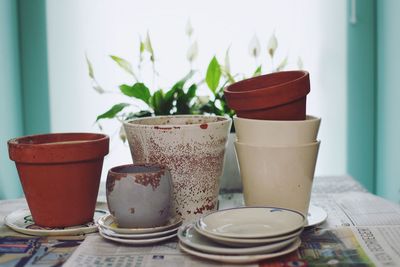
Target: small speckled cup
point(139, 195)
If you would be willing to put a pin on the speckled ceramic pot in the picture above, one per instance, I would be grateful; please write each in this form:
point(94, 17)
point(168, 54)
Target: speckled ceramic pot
point(139, 195)
point(192, 147)
point(60, 174)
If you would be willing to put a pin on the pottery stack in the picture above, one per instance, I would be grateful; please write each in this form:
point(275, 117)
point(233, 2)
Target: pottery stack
point(276, 144)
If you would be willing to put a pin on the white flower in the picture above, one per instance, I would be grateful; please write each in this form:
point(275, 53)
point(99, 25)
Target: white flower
point(188, 28)
point(147, 44)
point(272, 45)
point(300, 63)
point(227, 61)
point(122, 133)
point(192, 52)
point(203, 99)
point(283, 64)
point(254, 47)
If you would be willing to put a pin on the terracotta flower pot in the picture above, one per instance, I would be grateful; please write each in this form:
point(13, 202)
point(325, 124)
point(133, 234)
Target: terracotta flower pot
point(275, 96)
point(60, 175)
point(192, 147)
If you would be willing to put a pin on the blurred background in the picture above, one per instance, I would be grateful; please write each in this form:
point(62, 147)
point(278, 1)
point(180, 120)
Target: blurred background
point(350, 48)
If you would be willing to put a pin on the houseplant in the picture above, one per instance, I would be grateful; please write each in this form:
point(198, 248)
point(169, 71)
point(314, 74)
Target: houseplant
point(182, 97)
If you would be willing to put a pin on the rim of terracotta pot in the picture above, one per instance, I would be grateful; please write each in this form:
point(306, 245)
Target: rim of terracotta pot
point(118, 170)
point(58, 147)
point(138, 122)
point(269, 90)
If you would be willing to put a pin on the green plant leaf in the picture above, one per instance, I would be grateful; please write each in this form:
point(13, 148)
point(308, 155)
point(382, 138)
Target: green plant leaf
point(257, 72)
point(138, 90)
point(125, 65)
point(90, 67)
point(213, 75)
point(158, 103)
point(112, 112)
point(192, 91)
point(139, 114)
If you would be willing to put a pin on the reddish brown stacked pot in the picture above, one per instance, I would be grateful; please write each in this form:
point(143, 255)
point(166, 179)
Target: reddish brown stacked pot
point(60, 175)
point(275, 96)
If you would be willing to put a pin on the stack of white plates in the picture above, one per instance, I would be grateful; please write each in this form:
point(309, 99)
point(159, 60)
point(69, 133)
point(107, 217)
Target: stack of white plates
point(138, 236)
point(243, 235)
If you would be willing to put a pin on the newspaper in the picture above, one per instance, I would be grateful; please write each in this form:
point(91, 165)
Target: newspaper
point(361, 230)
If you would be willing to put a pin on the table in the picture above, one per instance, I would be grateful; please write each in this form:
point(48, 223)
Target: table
point(361, 229)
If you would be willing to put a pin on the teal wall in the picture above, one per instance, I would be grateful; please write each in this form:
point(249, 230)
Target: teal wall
point(24, 101)
point(388, 95)
point(34, 71)
point(10, 100)
point(361, 105)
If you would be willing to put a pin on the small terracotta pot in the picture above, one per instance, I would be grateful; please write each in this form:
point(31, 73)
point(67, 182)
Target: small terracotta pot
point(60, 175)
point(275, 96)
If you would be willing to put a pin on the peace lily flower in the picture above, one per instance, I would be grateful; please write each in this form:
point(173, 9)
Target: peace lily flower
point(203, 99)
point(227, 61)
point(192, 52)
point(272, 45)
point(254, 47)
point(189, 28)
point(147, 46)
point(300, 63)
point(122, 133)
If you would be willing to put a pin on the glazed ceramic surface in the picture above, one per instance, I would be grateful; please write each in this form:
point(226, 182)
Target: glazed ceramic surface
point(139, 236)
point(145, 241)
point(252, 222)
point(247, 242)
point(60, 174)
point(278, 176)
point(274, 96)
point(276, 133)
point(316, 216)
point(190, 237)
point(236, 259)
point(109, 222)
point(22, 222)
point(139, 195)
point(192, 147)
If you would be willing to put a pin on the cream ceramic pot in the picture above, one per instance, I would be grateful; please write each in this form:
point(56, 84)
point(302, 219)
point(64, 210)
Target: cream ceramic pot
point(277, 176)
point(192, 147)
point(276, 133)
point(139, 195)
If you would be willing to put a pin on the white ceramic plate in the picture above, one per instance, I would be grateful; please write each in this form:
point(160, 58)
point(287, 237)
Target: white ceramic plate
point(191, 238)
point(108, 222)
point(240, 258)
point(251, 222)
point(146, 241)
point(22, 222)
point(138, 236)
point(247, 242)
point(315, 216)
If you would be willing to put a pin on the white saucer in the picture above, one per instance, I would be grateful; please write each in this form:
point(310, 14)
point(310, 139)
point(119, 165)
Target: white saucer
point(108, 222)
point(146, 241)
point(251, 222)
point(240, 258)
point(247, 242)
point(315, 216)
point(138, 236)
point(191, 238)
point(22, 222)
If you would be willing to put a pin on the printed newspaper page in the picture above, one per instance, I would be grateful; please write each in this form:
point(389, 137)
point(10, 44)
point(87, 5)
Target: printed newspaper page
point(95, 251)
